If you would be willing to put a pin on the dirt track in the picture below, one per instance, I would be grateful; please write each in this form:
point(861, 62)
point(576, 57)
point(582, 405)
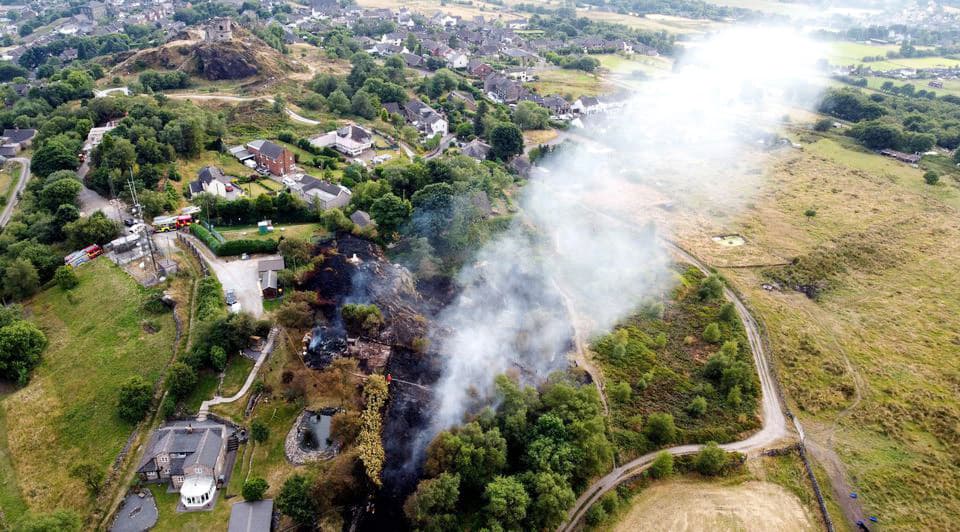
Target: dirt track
point(689, 506)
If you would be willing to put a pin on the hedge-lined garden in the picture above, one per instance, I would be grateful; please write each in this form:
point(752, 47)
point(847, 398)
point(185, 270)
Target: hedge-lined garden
point(232, 247)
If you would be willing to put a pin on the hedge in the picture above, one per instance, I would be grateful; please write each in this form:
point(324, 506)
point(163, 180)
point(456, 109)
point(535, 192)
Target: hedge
point(232, 247)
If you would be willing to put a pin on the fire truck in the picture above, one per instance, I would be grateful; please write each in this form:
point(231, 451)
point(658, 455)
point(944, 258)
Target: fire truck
point(162, 224)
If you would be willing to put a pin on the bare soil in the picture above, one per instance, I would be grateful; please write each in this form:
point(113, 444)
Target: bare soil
point(684, 505)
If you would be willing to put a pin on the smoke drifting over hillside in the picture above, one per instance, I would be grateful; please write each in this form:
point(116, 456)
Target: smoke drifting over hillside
point(678, 131)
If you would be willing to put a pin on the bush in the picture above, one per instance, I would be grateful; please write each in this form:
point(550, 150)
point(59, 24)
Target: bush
point(728, 313)
point(662, 466)
point(711, 460)
point(66, 278)
point(698, 406)
point(254, 489)
point(620, 392)
point(210, 303)
point(824, 124)
point(660, 428)
point(360, 319)
point(711, 287)
point(712, 333)
point(134, 399)
point(931, 177)
point(259, 432)
point(181, 380)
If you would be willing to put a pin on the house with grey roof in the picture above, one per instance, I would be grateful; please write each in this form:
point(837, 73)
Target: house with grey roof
point(190, 456)
point(476, 149)
point(321, 194)
point(14, 140)
point(362, 219)
point(212, 180)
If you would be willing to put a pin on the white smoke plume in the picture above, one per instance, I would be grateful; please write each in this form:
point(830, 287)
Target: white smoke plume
point(679, 131)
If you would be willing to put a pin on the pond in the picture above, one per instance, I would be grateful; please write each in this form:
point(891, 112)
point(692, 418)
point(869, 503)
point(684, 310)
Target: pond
point(315, 432)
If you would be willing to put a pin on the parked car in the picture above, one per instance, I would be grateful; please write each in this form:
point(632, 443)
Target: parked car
point(128, 222)
point(231, 297)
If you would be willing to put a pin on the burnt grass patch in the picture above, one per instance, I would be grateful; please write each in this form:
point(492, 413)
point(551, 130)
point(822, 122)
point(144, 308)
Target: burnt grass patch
point(660, 354)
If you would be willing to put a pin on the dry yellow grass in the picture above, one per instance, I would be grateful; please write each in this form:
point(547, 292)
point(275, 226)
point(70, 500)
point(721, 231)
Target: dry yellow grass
point(683, 505)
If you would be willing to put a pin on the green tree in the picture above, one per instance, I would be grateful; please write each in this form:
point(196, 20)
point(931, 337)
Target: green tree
point(59, 192)
point(824, 124)
point(660, 428)
point(712, 333)
point(711, 288)
point(296, 502)
point(507, 502)
point(931, 177)
point(338, 102)
point(529, 115)
point(550, 498)
point(662, 466)
point(90, 475)
point(433, 505)
point(66, 278)
point(93, 229)
point(254, 488)
point(728, 313)
point(620, 391)
point(181, 379)
point(364, 105)
point(296, 251)
point(218, 358)
point(506, 140)
point(20, 280)
point(698, 406)
point(476, 454)
point(21, 343)
point(390, 212)
point(735, 396)
point(134, 399)
point(259, 432)
point(361, 319)
point(710, 460)
point(55, 154)
point(810, 213)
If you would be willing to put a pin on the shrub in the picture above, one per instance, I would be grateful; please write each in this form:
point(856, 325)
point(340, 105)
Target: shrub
point(662, 466)
point(259, 431)
point(181, 380)
point(254, 489)
point(931, 177)
point(710, 460)
point(360, 319)
point(210, 301)
point(711, 287)
point(728, 313)
point(698, 406)
point(134, 399)
point(712, 333)
point(66, 278)
point(90, 475)
point(824, 124)
point(660, 428)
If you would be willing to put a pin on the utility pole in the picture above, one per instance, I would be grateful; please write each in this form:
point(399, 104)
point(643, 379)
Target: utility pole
point(138, 216)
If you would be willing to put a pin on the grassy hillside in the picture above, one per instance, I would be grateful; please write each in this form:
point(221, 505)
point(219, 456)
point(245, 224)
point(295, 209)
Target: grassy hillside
point(871, 366)
point(98, 338)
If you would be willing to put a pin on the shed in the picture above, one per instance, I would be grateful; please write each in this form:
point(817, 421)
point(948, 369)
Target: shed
point(251, 516)
point(268, 284)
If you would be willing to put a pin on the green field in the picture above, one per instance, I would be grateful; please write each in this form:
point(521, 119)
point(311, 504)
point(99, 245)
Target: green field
point(852, 53)
point(169, 520)
point(619, 64)
point(66, 414)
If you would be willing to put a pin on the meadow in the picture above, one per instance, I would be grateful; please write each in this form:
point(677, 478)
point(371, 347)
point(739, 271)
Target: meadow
point(99, 336)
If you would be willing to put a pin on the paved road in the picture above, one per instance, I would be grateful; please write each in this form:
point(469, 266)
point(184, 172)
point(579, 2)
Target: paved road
point(774, 428)
point(21, 184)
point(91, 201)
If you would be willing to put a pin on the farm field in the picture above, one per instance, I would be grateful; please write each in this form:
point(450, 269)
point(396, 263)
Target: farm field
point(66, 414)
point(851, 53)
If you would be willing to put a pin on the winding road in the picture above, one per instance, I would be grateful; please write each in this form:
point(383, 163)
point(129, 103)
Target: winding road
point(21, 184)
point(775, 427)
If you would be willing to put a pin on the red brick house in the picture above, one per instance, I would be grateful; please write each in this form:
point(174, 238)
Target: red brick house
point(277, 159)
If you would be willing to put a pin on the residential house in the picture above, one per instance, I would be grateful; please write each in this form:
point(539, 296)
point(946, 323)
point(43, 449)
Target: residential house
point(395, 38)
point(524, 57)
point(242, 155)
point(479, 69)
point(212, 180)
point(520, 74)
point(14, 140)
point(362, 219)
point(95, 136)
point(586, 105)
point(477, 149)
point(251, 516)
point(190, 456)
point(322, 195)
point(558, 107)
point(276, 159)
point(469, 102)
point(350, 139)
point(413, 60)
point(457, 60)
point(425, 118)
point(502, 90)
point(518, 24)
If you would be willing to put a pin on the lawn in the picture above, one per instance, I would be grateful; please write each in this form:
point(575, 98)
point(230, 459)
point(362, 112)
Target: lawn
point(306, 231)
point(569, 83)
point(66, 414)
point(619, 64)
point(170, 520)
point(851, 53)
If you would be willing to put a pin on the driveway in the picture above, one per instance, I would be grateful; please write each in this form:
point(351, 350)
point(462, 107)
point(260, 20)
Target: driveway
point(233, 273)
point(91, 201)
point(21, 184)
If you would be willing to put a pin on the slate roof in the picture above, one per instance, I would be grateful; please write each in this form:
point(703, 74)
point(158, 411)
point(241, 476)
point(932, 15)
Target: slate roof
point(361, 218)
point(271, 150)
point(19, 135)
point(201, 444)
point(251, 516)
point(268, 279)
point(209, 174)
point(270, 264)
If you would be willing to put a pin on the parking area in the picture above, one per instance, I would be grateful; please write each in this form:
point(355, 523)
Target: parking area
point(137, 512)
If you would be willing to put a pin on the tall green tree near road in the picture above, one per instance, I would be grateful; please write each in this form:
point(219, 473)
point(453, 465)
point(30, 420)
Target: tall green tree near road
point(296, 502)
point(506, 141)
point(507, 502)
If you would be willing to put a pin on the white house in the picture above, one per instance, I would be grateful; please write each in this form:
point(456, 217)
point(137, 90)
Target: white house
point(350, 140)
point(321, 194)
point(457, 59)
point(423, 117)
point(587, 105)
